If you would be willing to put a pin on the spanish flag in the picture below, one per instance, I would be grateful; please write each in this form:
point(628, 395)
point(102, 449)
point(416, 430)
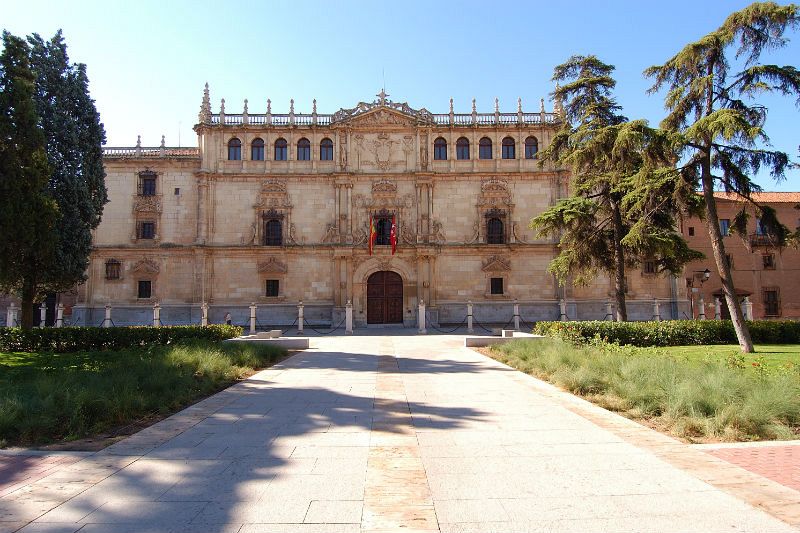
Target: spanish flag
point(393, 236)
point(372, 233)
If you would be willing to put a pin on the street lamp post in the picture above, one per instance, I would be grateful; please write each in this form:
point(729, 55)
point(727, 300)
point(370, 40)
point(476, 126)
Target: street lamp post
point(703, 276)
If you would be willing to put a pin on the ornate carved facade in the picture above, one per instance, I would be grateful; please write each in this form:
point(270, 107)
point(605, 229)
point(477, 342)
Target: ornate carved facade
point(278, 208)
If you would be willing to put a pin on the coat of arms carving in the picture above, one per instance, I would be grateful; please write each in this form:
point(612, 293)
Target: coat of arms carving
point(382, 149)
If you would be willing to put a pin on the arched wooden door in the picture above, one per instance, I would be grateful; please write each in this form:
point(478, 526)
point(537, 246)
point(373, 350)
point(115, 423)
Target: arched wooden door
point(384, 298)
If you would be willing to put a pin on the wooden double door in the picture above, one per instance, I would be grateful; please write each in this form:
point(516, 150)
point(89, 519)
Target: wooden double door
point(385, 298)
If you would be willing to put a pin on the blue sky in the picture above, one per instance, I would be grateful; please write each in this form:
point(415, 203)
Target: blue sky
point(148, 60)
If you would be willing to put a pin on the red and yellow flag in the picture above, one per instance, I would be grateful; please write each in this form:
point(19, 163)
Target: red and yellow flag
point(393, 236)
point(372, 233)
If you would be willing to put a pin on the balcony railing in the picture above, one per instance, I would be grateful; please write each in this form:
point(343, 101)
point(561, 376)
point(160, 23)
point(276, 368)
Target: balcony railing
point(760, 239)
point(444, 119)
point(158, 151)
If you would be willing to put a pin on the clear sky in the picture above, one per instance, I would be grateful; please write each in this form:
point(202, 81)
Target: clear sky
point(148, 60)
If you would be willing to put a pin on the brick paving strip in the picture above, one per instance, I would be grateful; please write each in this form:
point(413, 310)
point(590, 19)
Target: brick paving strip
point(778, 461)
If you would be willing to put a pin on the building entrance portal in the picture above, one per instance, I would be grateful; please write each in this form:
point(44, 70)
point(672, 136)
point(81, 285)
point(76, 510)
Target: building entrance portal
point(384, 298)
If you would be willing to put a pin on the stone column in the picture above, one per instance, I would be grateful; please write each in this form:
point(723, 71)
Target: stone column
point(469, 317)
point(717, 309)
point(516, 315)
point(59, 315)
point(656, 310)
point(11, 315)
point(42, 314)
point(204, 314)
point(300, 317)
point(348, 318)
point(562, 305)
point(156, 314)
point(748, 308)
point(701, 312)
point(107, 317)
point(253, 308)
point(421, 317)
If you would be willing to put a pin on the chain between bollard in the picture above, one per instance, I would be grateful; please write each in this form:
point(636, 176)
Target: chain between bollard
point(309, 326)
point(429, 323)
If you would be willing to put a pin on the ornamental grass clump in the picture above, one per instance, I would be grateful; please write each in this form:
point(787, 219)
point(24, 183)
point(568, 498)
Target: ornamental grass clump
point(701, 400)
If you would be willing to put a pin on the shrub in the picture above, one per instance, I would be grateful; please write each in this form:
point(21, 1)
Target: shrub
point(73, 339)
point(670, 332)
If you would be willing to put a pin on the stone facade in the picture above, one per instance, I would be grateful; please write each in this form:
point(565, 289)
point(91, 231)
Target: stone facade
point(215, 223)
point(766, 274)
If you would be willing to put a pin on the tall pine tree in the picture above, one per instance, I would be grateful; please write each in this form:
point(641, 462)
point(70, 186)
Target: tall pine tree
point(27, 212)
point(721, 125)
point(74, 138)
point(616, 215)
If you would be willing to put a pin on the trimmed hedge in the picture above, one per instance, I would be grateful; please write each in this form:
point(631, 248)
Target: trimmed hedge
point(671, 332)
point(72, 339)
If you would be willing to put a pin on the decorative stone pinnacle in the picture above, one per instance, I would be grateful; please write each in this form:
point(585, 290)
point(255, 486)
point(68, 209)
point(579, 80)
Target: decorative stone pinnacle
point(205, 106)
point(314, 106)
point(162, 142)
point(291, 106)
point(541, 106)
point(382, 96)
point(496, 105)
point(519, 105)
point(222, 107)
point(269, 106)
point(451, 104)
point(138, 141)
point(245, 106)
point(474, 107)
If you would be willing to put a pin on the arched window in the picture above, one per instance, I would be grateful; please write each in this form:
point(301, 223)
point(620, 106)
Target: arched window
point(531, 147)
point(273, 232)
point(462, 148)
point(257, 149)
point(485, 148)
point(303, 150)
point(280, 150)
point(494, 231)
point(440, 149)
point(326, 150)
point(509, 148)
point(234, 150)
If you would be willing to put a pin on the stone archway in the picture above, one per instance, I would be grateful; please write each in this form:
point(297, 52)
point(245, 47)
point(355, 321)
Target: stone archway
point(385, 298)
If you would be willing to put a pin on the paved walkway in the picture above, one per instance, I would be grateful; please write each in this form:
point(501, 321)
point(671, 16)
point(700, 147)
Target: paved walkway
point(407, 433)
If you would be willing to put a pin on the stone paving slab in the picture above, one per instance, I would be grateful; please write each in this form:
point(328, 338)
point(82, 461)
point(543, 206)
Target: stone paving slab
point(410, 433)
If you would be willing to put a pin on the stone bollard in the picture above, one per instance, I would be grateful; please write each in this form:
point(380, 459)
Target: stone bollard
point(300, 317)
point(748, 308)
point(156, 314)
point(469, 317)
point(42, 314)
point(253, 308)
point(204, 314)
point(609, 312)
point(421, 317)
point(701, 313)
point(656, 310)
point(717, 309)
point(348, 318)
point(516, 315)
point(11, 315)
point(107, 317)
point(60, 315)
point(562, 305)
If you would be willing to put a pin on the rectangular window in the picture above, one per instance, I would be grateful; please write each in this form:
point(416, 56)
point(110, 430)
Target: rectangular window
point(112, 269)
point(649, 267)
point(144, 289)
point(768, 261)
point(272, 287)
point(147, 230)
point(383, 231)
point(496, 286)
point(772, 302)
point(691, 231)
point(147, 184)
point(725, 227)
point(760, 227)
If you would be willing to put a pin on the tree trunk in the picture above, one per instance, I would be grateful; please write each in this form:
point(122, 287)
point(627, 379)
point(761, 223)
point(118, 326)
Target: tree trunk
point(724, 269)
point(26, 306)
point(619, 264)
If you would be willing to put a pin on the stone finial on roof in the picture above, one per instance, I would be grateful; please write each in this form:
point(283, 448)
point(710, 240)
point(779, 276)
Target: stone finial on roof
point(245, 118)
point(496, 105)
point(519, 105)
point(291, 106)
point(205, 107)
point(269, 106)
point(451, 105)
point(314, 106)
point(138, 141)
point(245, 106)
point(474, 106)
point(222, 107)
point(163, 141)
point(541, 105)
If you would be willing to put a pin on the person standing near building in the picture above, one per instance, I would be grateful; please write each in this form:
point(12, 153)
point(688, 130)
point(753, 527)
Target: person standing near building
point(228, 318)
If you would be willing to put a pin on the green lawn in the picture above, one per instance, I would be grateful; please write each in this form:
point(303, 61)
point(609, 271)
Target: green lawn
point(699, 393)
point(46, 397)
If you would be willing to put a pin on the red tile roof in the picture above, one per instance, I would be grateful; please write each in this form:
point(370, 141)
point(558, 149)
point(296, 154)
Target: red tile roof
point(766, 197)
